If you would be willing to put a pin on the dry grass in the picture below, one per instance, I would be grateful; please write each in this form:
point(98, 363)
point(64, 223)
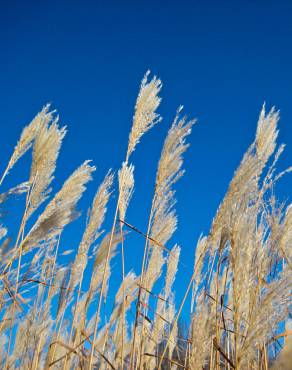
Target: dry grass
point(240, 287)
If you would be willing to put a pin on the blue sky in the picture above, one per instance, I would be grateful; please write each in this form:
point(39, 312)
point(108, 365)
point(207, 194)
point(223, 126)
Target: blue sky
point(220, 59)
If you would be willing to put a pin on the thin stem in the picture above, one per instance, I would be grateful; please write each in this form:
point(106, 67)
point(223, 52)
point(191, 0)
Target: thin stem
point(74, 315)
point(140, 285)
point(4, 175)
point(48, 297)
point(123, 306)
point(178, 314)
point(103, 286)
point(19, 236)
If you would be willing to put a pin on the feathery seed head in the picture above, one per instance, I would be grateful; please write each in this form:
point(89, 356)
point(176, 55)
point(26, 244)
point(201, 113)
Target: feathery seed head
point(145, 116)
point(126, 187)
point(61, 209)
point(28, 135)
point(46, 149)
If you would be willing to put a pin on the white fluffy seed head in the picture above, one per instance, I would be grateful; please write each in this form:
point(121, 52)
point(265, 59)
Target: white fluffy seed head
point(28, 135)
point(96, 218)
point(172, 264)
point(126, 187)
point(145, 116)
point(61, 209)
point(46, 149)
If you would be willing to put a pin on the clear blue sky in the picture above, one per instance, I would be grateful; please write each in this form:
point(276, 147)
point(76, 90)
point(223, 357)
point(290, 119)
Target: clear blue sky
point(220, 59)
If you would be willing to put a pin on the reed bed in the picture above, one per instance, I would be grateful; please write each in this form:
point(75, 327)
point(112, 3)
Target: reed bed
point(56, 316)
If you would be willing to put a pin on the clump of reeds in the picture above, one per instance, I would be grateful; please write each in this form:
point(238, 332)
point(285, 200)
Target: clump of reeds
point(240, 285)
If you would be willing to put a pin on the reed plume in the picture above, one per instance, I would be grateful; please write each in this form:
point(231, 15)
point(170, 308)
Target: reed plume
point(61, 209)
point(145, 116)
point(46, 148)
point(96, 218)
point(27, 136)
